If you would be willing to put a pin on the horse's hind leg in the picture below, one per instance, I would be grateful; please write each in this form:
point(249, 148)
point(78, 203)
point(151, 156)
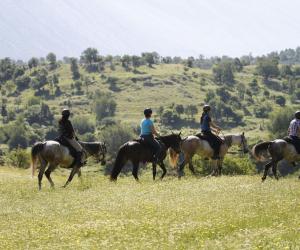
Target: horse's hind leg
point(162, 166)
point(41, 172)
point(154, 170)
point(267, 166)
point(274, 170)
point(191, 167)
point(183, 160)
point(48, 174)
point(135, 170)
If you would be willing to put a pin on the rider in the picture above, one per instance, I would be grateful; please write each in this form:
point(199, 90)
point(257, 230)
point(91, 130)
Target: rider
point(207, 125)
point(148, 131)
point(66, 131)
point(294, 128)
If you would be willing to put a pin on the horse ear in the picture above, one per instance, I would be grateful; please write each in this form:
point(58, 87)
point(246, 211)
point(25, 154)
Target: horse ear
point(179, 133)
point(243, 134)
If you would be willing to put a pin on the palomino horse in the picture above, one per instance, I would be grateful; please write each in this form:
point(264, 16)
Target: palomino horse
point(55, 154)
point(192, 145)
point(136, 152)
point(278, 150)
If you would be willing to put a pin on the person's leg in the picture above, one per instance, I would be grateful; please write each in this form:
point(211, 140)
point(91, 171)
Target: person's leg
point(78, 149)
point(216, 145)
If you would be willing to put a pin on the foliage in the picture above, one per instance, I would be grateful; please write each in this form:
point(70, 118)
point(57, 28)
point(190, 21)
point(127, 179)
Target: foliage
point(83, 124)
point(74, 68)
point(18, 157)
point(103, 105)
point(267, 67)
point(279, 122)
point(223, 73)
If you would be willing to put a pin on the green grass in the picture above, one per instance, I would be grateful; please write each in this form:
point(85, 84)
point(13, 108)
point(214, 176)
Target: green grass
point(210, 213)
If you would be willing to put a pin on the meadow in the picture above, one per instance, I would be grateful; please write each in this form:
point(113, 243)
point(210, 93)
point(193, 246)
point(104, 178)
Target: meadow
point(229, 212)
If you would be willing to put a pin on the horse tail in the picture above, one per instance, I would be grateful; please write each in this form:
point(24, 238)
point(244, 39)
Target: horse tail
point(260, 150)
point(119, 163)
point(173, 157)
point(35, 150)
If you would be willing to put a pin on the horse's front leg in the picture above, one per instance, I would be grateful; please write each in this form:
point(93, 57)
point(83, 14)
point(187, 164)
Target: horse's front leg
point(135, 170)
point(220, 163)
point(48, 174)
point(154, 170)
point(182, 162)
point(191, 167)
point(73, 172)
point(214, 168)
point(267, 166)
point(162, 166)
point(274, 170)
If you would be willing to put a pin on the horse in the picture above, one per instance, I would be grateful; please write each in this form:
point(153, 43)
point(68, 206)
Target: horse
point(54, 154)
point(136, 151)
point(277, 150)
point(192, 145)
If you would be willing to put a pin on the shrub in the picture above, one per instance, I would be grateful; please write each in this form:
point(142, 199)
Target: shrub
point(280, 100)
point(262, 111)
point(18, 157)
point(279, 122)
point(104, 106)
point(33, 100)
point(83, 124)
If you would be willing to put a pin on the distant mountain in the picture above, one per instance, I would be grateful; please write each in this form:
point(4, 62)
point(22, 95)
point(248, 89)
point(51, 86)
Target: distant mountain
point(216, 27)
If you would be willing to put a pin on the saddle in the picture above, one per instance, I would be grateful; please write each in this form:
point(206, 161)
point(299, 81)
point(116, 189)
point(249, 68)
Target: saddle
point(61, 140)
point(295, 143)
point(203, 137)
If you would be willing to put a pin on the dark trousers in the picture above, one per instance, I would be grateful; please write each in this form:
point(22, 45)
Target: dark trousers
point(296, 142)
point(214, 141)
point(153, 143)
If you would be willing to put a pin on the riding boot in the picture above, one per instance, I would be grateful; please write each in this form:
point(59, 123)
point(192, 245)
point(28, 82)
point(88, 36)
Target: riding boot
point(216, 155)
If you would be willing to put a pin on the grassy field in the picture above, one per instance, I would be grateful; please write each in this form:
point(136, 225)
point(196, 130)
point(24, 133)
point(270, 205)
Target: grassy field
point(194, 213)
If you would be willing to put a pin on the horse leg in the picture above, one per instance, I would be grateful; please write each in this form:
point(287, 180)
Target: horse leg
point(274, 170)
point(183, 160)
point(220, 163)
point(267, 166)
point(214, 168)
point(48, 174)
point(162, 166)
point(73, 172)
point(79, 172)
point(191, 167)
point(154, 170)
point(41, 172)
point(135, 170)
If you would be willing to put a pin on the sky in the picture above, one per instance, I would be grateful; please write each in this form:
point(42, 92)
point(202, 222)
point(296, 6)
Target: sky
point(170, 27)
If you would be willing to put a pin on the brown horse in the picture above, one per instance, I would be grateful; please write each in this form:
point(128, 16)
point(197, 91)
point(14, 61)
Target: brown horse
point(192, 145)
point(54, 154)
point(275, 151)
point(136, 152)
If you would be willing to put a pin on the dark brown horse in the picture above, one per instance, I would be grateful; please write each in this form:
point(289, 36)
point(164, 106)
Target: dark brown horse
point(52, 154)
point(275, 151)
point(137, 151)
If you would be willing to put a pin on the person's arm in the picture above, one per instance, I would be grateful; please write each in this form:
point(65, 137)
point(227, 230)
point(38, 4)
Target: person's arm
point(154, 131)
point(214, 127)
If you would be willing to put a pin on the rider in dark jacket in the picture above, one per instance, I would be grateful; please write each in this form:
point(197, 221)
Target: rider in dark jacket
point(294, 129)
point(207, 126)
point(147, 133)
point(67, 132)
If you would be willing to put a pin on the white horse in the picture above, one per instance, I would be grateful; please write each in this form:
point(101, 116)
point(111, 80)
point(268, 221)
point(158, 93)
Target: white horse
point(52, 154)
point(192, 145)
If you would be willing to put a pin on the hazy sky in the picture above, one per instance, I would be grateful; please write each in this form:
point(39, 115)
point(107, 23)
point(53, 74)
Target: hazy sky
point(170, 27)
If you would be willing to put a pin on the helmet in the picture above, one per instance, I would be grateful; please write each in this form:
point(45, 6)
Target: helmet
point(148, 112)
point(206, 108)
point(297, 114)
point(65, 112)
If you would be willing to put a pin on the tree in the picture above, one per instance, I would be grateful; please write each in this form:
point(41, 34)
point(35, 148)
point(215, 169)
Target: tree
point(179, 109)
point(33, 62)
point(149, 58)
point(104, 105)
point(267, 67)
point(223, 73)
point(125, 61)
point(191, 110)
point(22, 82)
point(74, 68)
point(279, 122)
point(280, 100)
point(190, 62)
point(89, 56)
point(136, 61)
point(51, 58)
point(237, 65)
point(285, 71)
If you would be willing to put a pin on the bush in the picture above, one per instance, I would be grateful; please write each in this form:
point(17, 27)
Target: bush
point(262, 111)
point(83, 124)
point(280, 100)
point(104, 106)
point(33, 100)
point(18, 157)
point(279, 122)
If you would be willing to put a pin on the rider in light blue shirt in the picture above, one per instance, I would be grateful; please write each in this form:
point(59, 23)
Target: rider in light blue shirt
point(147, 133)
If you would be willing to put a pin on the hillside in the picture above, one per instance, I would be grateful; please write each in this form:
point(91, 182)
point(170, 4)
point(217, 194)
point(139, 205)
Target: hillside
point(209, 213)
